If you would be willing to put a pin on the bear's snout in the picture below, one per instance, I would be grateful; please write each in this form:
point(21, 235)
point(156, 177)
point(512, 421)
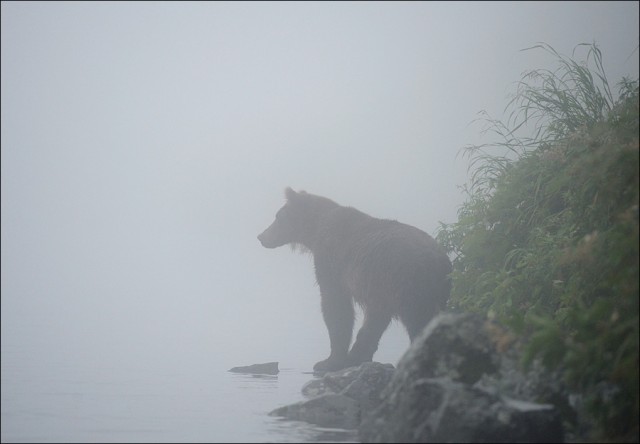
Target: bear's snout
point(264, 242)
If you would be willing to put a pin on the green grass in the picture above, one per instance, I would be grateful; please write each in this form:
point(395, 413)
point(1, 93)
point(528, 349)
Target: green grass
point(547, 239)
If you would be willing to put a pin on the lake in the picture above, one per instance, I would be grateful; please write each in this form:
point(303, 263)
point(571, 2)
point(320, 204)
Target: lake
point(47, 399)
point(84, 404)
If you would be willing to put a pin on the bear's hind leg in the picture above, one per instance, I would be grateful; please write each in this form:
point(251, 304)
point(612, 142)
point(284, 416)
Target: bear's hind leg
point(366, 344)
point(415, 321)
point(413, 330)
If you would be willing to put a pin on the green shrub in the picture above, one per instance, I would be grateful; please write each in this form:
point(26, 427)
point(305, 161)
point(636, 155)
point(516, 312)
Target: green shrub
point(547, 239)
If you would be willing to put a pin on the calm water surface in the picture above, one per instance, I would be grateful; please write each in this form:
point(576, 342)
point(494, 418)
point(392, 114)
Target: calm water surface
point(85, 403)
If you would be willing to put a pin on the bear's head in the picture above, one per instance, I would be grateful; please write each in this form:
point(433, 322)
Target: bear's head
point(297, 221)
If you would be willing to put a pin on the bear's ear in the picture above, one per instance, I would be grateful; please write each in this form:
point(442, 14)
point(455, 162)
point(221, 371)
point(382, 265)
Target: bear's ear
point(290, 194)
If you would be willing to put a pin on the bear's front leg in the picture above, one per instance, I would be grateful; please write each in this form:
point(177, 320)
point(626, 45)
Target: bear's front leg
point(339, 315)
point(331, 364)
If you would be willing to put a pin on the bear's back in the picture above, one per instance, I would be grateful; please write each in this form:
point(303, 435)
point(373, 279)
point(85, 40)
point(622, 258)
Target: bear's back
point(366, 252)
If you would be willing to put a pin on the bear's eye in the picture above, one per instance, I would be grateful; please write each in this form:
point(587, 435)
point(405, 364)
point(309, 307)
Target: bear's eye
point(282, 212)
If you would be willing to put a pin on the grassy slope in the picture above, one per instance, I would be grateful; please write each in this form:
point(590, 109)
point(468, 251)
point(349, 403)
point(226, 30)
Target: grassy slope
point(548, 237)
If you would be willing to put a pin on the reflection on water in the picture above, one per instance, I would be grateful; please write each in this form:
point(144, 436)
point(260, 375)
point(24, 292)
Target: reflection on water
point(282, 430)
point(255, 382)
point(84, 403)
point(289, 382)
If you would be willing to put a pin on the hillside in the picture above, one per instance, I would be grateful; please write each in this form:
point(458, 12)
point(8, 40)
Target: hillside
point(547, 239)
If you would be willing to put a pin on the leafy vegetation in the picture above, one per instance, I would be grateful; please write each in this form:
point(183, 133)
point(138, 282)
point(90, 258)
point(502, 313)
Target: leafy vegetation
point(547, 240)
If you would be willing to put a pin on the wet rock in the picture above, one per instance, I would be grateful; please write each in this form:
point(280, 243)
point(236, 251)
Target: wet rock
point(330, 382)
point(460, 347)
point(339, 399)
point(442, 410)
point(363, 383)
point(450, 387)
point(268, 368)
point(368, 385)
point(328, 410)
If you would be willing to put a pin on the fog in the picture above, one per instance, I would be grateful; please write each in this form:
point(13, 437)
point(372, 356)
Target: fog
point(146, 145)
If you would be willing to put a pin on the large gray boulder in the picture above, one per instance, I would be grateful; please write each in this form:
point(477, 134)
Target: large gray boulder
point(448, 387)
point(441, 410)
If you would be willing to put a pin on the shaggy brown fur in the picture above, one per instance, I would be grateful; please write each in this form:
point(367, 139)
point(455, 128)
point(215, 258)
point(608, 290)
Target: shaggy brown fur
point(392, 270)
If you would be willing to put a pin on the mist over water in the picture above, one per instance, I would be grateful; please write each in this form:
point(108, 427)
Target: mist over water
point(144, 146)
point(80, 403)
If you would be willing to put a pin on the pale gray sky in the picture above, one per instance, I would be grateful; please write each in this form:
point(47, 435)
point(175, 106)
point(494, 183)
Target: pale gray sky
point(145, 145)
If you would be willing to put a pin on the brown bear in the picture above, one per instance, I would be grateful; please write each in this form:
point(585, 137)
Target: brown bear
point(392, 270)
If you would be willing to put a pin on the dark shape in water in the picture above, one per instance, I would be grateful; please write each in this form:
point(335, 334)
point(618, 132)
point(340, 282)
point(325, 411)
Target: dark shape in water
point(268, 368)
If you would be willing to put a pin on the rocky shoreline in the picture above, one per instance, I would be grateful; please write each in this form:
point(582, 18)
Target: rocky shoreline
point(459, 382)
